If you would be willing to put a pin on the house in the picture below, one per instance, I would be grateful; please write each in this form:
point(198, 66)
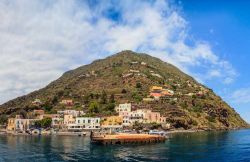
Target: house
point(136, 116)
point(19, 124)
point(112, 123)
point(37, 102)
point(67, 102)
point(190, 94)
point(143, 63)
point(155, 92)
point(148, 99)
point(57, 122)
point(84, 123)
point(127, 75)
point(22, 125)
point(167, 92)
point(134, 62)
point(123, 108)
point(75, 113)
point(38, 112)
point(111, 120)
point(69, 119)
point(156, 75)
point(126, 121)
point(156, 95)
point(132, 117)
point(154, 117)
point(156, 89)
point(48, 116)
point(134, 71)
point(11, 124)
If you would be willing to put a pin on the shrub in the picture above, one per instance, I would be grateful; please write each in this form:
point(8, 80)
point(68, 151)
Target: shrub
point(124, 91)
point(138, 85)
point(104, 97)
point(44, 123)
point(94, 107)
point(3, 119)
point(110, 107)
point(211, 119)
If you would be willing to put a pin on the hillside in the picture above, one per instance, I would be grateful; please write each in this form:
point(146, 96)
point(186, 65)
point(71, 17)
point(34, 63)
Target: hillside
point(128, 77)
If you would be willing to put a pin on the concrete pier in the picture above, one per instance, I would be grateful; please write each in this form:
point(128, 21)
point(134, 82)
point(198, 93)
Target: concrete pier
point(127, 139)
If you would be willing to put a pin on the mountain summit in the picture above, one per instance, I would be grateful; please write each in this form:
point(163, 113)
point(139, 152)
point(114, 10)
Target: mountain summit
point(137, 78)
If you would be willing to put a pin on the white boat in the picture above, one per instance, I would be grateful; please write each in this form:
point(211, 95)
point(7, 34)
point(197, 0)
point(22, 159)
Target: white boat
point(156, 132)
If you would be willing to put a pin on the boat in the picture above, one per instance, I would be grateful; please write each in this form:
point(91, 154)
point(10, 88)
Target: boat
point(156, 132)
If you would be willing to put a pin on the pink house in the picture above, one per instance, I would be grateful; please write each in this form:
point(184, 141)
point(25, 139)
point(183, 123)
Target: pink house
point(155, 95)
point(152, 117)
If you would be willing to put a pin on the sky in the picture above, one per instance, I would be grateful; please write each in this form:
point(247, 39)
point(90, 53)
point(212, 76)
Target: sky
point(209, 40)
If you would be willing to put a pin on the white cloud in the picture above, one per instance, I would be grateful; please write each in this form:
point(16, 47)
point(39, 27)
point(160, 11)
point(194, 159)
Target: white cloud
point(240, 96)
point(42, 39)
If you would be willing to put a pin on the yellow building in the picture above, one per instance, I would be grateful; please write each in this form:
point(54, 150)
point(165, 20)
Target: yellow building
point(156, 88)
point(69, 119)
point(11, 124)
point(111, 121)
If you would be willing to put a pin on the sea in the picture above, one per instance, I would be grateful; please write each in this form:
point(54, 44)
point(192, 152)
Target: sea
point(217, 146)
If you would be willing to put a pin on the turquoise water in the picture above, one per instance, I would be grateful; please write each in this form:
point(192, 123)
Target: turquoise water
point(202, 146)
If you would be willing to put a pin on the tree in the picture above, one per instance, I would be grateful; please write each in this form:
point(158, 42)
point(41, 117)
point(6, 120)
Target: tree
point(86, 99)
point(94, 107)
point(91, 95)
point(110, 107)
point(54, 100)
point(136, 97)
point(44, 123)
point(3, 119)
point(104, 97)
point(23, 113)
point(124, 91)
point(138, 85)
point(97, 96)
point(47, 108)
point(112, 98)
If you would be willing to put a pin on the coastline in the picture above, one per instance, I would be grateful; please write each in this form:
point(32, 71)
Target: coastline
point(87, 134)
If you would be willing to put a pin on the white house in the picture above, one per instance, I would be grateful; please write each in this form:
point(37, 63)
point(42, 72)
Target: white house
point(57, 122)
point(123, 108)
point(74, 113)
point(82, 123)
point(24, 124)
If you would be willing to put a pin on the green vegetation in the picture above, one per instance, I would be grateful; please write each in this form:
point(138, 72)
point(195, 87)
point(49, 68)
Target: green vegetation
point(94, 107)
point(44, 123)
point(3, 119)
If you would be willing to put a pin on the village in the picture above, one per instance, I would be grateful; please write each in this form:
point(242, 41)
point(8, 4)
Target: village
point(69, 121)
point(125, 116)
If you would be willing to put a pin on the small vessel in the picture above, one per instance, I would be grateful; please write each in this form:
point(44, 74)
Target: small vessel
point(156, 132)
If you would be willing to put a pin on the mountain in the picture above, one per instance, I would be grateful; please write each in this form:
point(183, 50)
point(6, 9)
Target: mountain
point(127, 77)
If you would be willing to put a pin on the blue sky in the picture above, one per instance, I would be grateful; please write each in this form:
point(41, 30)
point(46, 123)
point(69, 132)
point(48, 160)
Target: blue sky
point(226, 26)
point(206, 39)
